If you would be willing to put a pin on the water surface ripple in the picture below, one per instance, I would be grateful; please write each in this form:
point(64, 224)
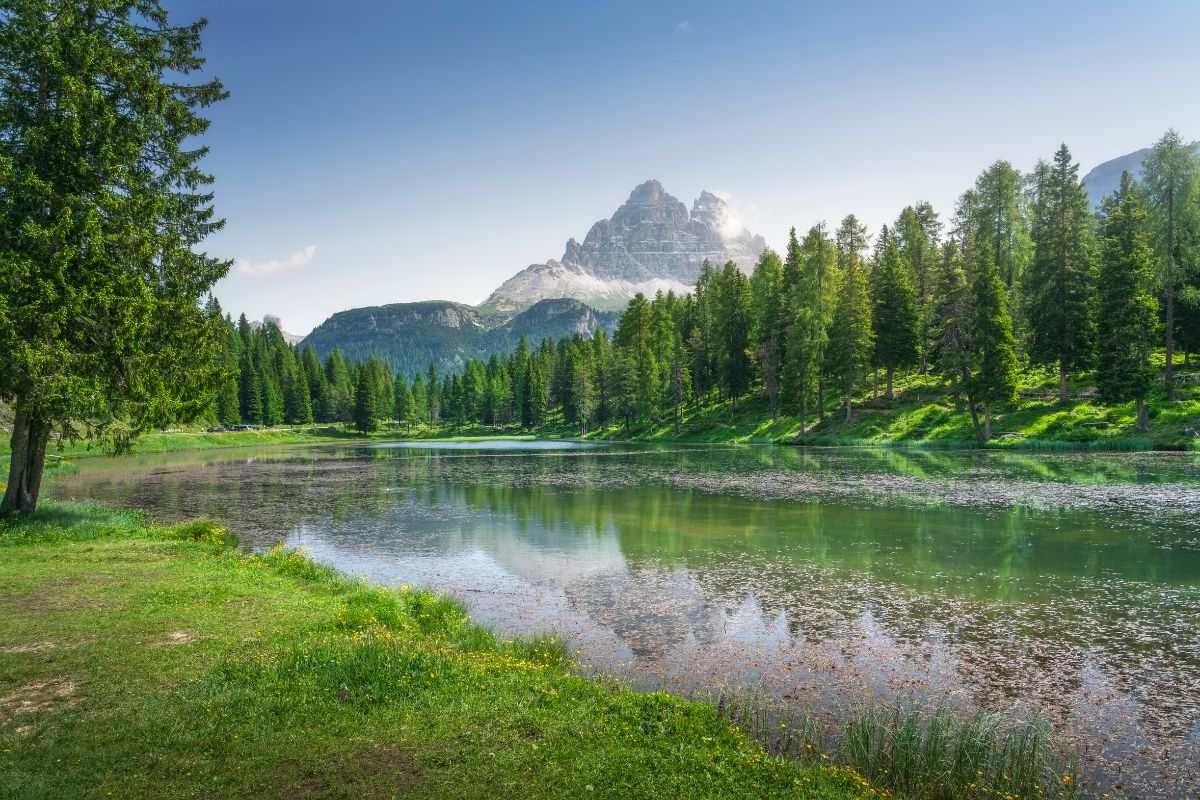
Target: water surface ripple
point(1061, 586)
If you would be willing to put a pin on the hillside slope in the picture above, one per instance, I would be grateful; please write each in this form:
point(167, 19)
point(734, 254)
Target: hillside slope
point(410, 336)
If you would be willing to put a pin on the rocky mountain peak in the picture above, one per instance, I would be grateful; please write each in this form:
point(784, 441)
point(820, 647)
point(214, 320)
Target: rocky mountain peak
point(650, 242)
point(649, 192)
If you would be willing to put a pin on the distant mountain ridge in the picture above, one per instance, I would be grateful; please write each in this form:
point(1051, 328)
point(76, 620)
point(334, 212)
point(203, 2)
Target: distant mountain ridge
point(412, 335)
point(651, 243)
point(1104, 179)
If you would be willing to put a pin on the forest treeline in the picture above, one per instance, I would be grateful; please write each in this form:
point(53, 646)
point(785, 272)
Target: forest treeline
point(1023, 274)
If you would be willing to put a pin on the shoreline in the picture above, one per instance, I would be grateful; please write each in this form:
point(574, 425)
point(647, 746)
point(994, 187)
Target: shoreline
point(173, 441)
point(361, 631)
point(224, 662)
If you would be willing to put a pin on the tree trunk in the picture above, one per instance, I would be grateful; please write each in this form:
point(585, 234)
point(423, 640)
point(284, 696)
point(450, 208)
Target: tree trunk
point(891, 373)
point(987, 422)
point(1063, 394)
point(1143, 416)
point(975, 418)
point(820, 402)
point(26, 462)
point(803, 412)
point(849, 409)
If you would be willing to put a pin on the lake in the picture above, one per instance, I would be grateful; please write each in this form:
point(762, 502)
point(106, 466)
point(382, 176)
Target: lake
point(1064, 587)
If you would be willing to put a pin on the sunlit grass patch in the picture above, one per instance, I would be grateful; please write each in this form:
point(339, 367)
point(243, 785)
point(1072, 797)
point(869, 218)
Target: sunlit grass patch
point(215, 673)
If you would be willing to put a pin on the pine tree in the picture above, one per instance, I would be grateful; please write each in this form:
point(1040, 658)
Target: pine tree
point(1170, 175)
point(420, 401)
point(953, 320)
point(297, 403)
point(250, 391)
point(583, 389)
point(1128, 310)
point(918, 231)
point(433, 410)
point(769, 317)
point(894, 315)
point(366, 414)
point(625, 385)
point(995, 380)
point(852, 341)
point(337, 375)
point(680, 381)
point(402, 401)
point(811, 305)
point(272, 399)
point(602, 368)
point(991, 213)
point(534, 411)
point(733, 324)
point(103, 324)
point(1059, 284)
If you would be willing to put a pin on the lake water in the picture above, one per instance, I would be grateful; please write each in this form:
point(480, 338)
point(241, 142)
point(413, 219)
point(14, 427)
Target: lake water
point(1065, 587)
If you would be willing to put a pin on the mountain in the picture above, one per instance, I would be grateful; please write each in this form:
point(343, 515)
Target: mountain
point(290, 338)
point(411, 335)
point(651, 242)
point(1104, 179)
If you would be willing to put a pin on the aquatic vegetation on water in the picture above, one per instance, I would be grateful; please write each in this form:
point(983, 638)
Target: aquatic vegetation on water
point(1060, 587)
point(919, 752)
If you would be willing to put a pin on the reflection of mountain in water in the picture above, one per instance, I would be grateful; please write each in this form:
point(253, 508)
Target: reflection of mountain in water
point(1087, 616)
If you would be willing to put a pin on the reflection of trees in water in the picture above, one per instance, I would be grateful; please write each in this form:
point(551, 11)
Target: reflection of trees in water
point(1022, 600)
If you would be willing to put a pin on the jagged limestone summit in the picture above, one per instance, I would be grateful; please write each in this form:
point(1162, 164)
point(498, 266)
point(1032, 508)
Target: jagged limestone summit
point(651, 243)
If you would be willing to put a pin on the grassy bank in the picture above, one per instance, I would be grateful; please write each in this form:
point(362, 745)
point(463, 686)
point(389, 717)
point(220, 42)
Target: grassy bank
point(923, 413)
point(140, 661)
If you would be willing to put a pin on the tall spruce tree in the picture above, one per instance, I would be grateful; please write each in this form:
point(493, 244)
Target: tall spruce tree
point(434, 397)
point(953, 320)
point(995, 378)
point(251, 398)
point(402, 401)
point(733, 325)
point(852, 341)
point(366, 413)
point(769, 319)
point(1058, 287)
point(811, 306)
point(102, 200)
point(917, 234)
point(894, 316)
point(1128, 309)
point(1170, 175)
point(992, 212)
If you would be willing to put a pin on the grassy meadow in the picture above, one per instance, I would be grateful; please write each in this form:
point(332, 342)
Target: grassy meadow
point(146, 661)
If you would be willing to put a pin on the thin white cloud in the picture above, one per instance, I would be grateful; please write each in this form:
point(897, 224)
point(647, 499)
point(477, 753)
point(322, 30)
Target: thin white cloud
point(682, 28)
point(730, 224)
point(294, 261)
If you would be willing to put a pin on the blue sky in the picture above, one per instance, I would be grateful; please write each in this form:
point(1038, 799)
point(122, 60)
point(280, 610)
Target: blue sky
point(378, 152)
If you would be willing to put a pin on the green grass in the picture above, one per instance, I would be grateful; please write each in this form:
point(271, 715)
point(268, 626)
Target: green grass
point(923, 414)
point(147, 661)
point(915, 752)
